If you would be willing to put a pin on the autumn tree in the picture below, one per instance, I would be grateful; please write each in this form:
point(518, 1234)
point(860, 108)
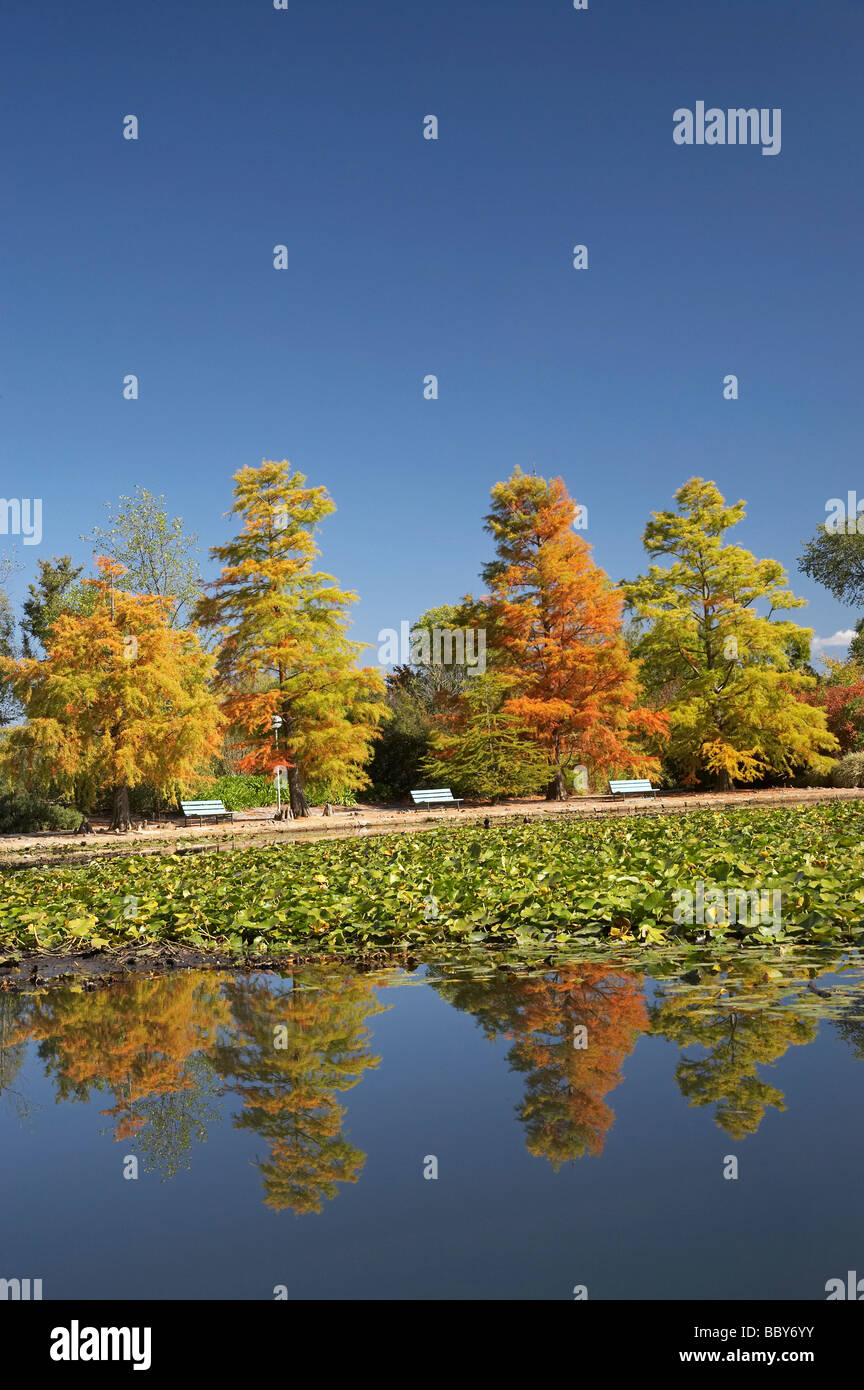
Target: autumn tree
point(287, 1055)
point(144, 1045)
point(120, 699)
point(556, 622)
point(729, 671)
point(840, 693)
point(570, 1030)
point(283, 652)
point(835, 558)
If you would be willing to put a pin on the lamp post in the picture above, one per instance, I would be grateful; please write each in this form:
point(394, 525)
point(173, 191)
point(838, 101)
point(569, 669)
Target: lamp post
point(276, 725)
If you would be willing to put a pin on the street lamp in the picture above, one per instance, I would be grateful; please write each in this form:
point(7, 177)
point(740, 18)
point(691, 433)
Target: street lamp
point(276, 724)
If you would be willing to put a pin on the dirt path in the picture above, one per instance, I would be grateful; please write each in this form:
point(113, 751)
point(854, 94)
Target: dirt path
point(258, 827)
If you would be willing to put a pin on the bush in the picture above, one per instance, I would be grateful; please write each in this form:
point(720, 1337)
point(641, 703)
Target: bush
point(238, 791)
point(21, 813)
point(317, 793)
point(849, 771)
point(243, 791)
point(815, 779)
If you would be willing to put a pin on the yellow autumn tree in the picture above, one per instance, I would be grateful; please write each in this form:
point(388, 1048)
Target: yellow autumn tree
point(120, 699)
point(729, 673)
point(287, 673)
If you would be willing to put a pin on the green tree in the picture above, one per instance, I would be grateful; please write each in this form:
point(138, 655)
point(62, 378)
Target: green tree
point(483, 750)
point(836, 560)
point(158, 556)
point(399, 752)
point(725, 673)
point(736, 1043)
point(57, 590)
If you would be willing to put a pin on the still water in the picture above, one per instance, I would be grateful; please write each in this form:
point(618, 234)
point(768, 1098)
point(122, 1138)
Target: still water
point(287, 1132)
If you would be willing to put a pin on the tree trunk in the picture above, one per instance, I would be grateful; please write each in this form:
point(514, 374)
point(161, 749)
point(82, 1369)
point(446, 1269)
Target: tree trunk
point(557, 790)
point(120, 811)
point(299, 804)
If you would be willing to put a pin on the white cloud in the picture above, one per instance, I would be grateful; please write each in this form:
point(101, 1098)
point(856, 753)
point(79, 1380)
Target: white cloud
point(839, 639)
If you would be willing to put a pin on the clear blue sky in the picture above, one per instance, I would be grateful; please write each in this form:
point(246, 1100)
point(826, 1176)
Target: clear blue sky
point(409, 257)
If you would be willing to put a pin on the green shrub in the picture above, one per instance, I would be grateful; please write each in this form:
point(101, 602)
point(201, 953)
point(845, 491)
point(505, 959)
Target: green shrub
point(317, 793)
point(21, 813)
point(242, 792)
point(815, 779)
point(237, 791)
point(849, 771)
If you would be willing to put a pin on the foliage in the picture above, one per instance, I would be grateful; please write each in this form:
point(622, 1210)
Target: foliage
point(238, 791)
point(734, 1039)
point(245, 791)
point(22, 813)
point(725, 675)
point(836, 559)
point(321, 793)
point(288, 1092)
point(484, 750)
point(558, 637)
point(153, 549)
point(849, 771)
point(610, 880)
point(57, 590)
point(143, 1042)
point(283, 650)
point(121, 699)
point(564, 1111)
point(840, 693)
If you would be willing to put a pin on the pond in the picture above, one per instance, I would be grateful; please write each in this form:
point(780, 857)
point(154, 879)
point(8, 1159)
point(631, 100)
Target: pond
point(453, 1131)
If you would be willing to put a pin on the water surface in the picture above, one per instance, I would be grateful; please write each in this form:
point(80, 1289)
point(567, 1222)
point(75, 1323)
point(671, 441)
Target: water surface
point(580, 1120)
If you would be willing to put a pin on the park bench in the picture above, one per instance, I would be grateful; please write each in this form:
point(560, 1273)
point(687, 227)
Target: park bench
point(436, 796)
point(202, 810)
point(632, 788)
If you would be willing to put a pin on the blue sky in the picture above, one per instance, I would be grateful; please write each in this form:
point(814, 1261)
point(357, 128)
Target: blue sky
point(453, 257)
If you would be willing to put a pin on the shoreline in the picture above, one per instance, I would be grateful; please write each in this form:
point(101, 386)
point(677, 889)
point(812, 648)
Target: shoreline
point(61, 849)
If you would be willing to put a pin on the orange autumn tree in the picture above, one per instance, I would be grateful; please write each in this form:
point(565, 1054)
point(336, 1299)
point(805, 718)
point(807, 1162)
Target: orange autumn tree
point(571, 1030)
point(120, 699)
point(283, 650)
point(141, 1042)
point(557, 633)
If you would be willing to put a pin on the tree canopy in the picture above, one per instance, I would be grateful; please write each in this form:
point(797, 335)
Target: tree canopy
point(283, 652)
point(725, 672)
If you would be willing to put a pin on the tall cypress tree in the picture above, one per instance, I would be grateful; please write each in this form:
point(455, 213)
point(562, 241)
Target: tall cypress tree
point(283, 651)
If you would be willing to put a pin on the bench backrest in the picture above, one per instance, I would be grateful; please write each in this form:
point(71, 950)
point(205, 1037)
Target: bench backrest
point(436, 794)
point(202, 808)
point(638, 784)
